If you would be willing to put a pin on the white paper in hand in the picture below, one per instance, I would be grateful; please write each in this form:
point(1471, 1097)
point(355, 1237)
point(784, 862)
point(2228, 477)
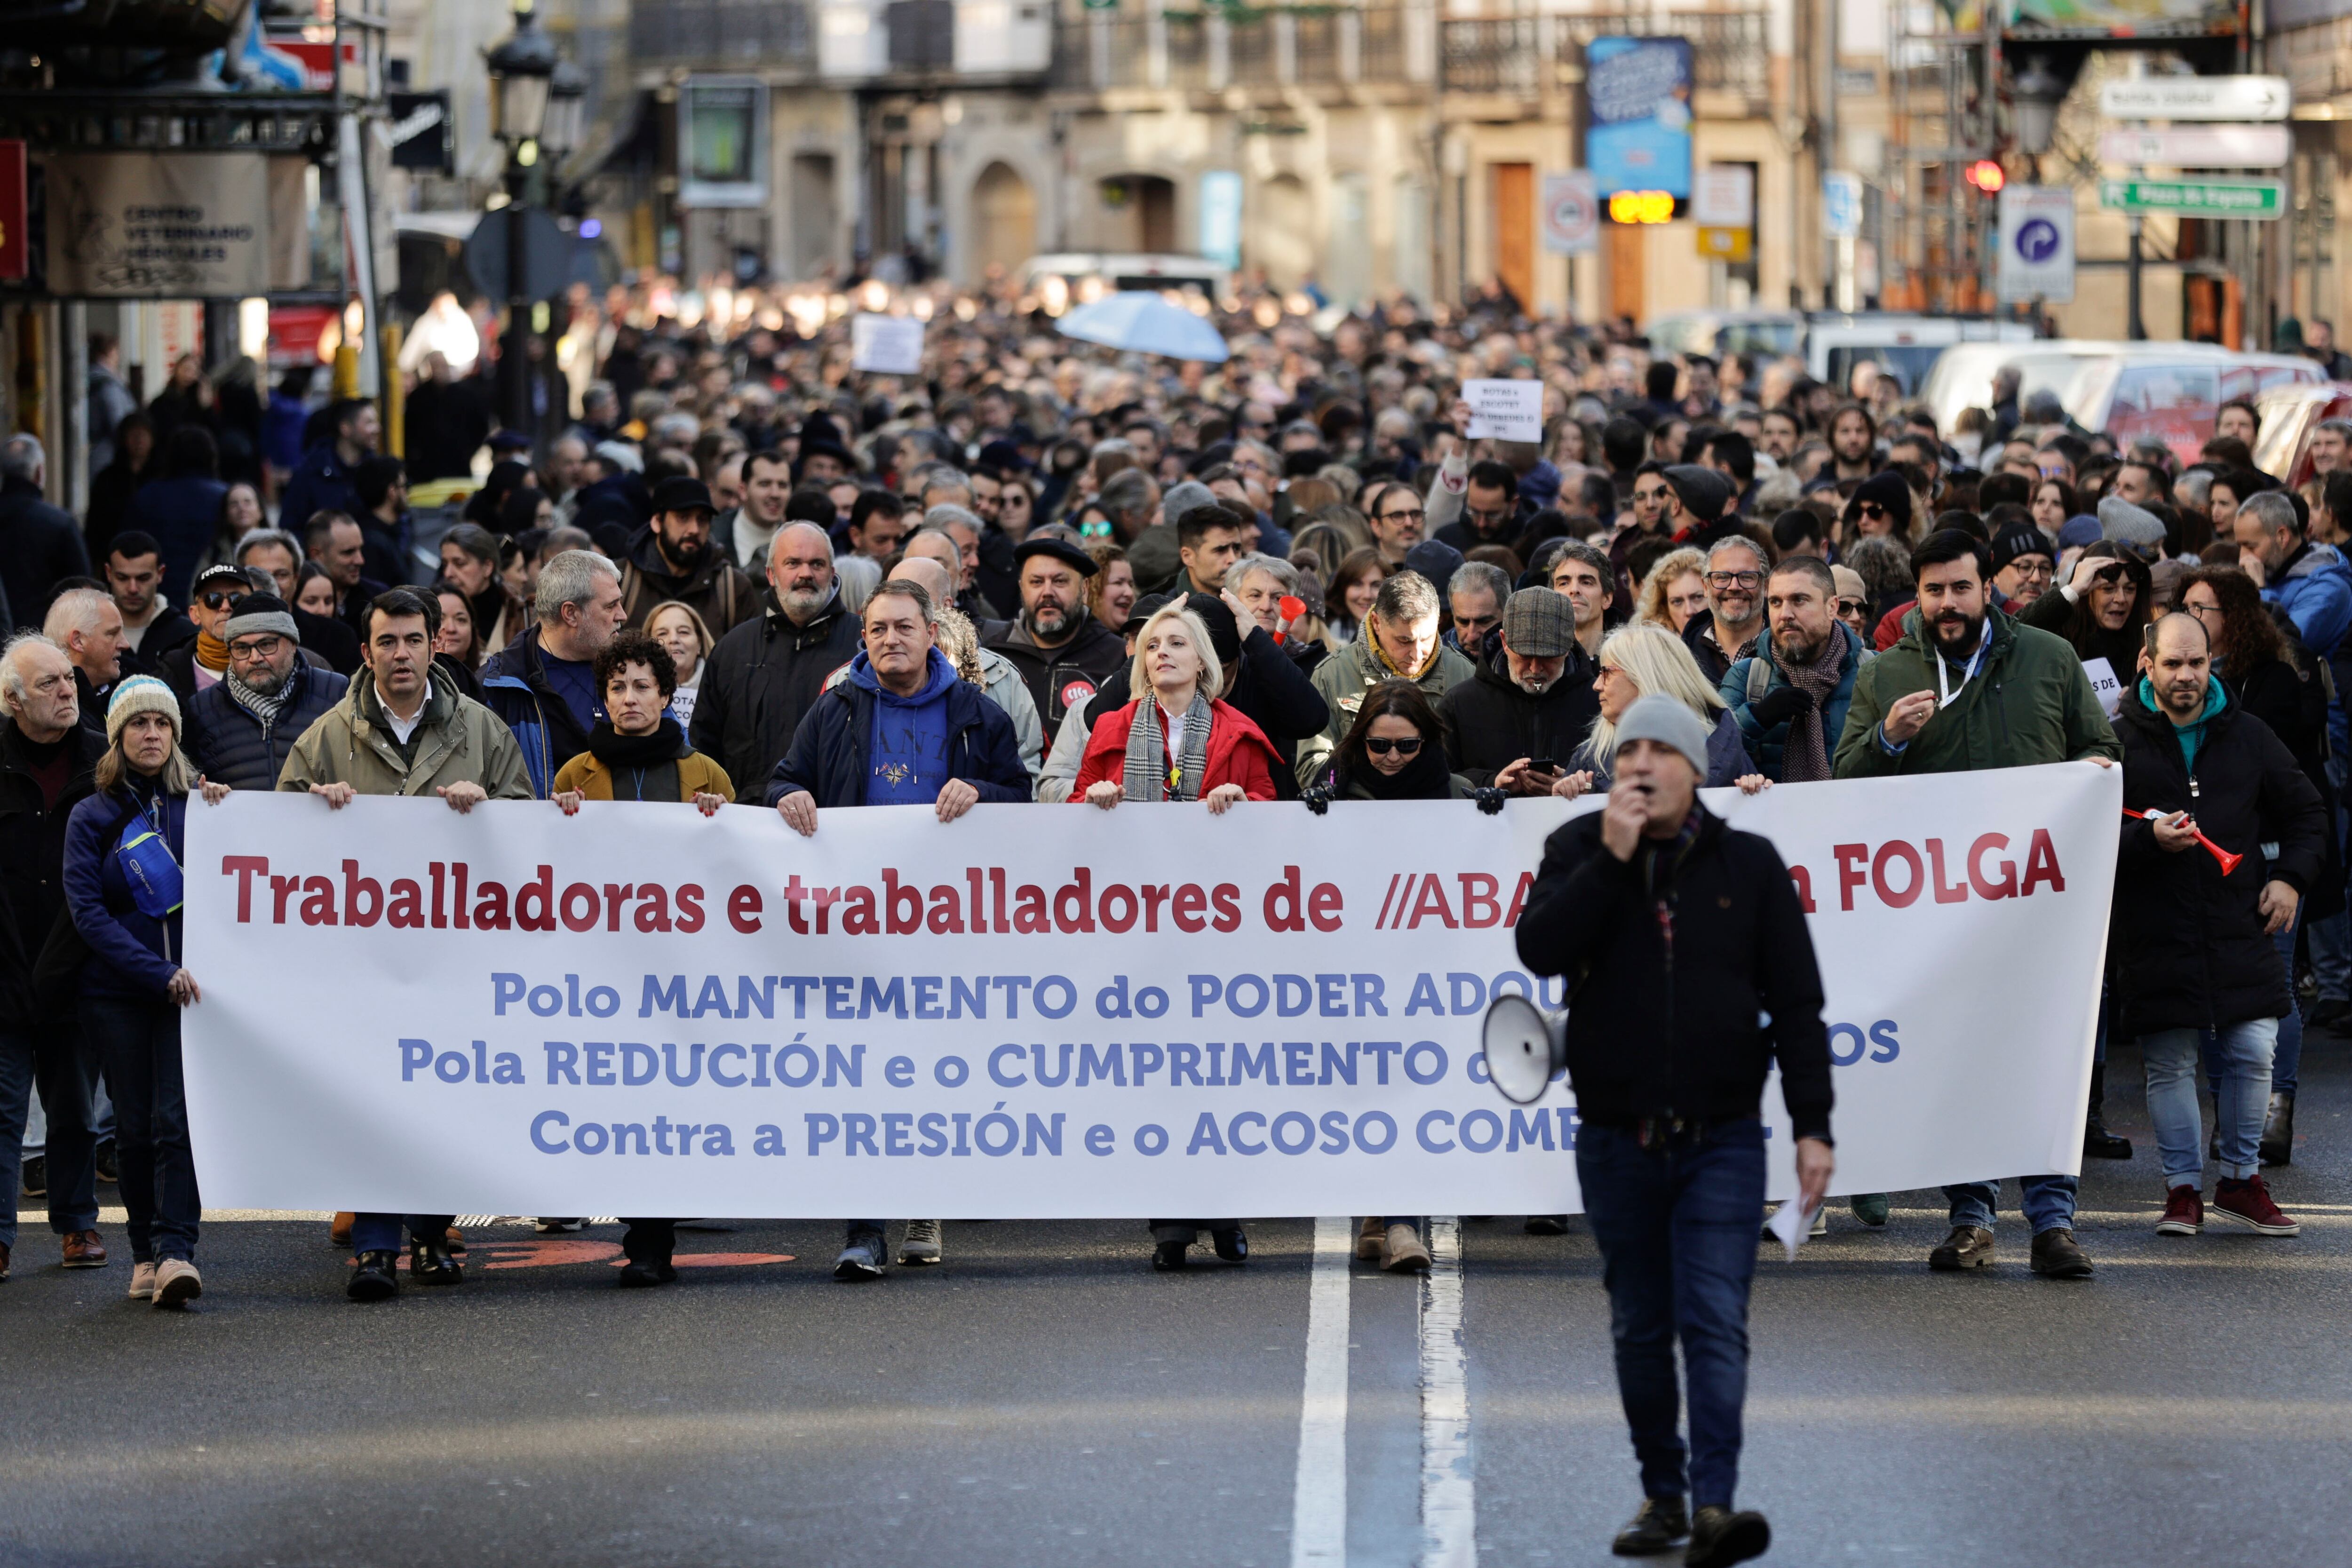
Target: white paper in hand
point(1791, 1222)
point(2110, 690)
point(1505, 410)
point(886, 345)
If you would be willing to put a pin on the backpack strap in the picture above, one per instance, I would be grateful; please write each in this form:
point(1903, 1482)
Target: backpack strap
point(1760, 677)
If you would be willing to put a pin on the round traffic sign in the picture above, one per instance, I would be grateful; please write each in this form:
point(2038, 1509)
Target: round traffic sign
point(2037, 239)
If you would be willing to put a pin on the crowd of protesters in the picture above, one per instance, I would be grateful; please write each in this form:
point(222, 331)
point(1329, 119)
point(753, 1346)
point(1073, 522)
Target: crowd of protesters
point(1063, 575)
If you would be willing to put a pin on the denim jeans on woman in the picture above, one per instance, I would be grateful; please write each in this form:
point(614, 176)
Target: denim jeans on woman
point(139, 1040)
point(1676, 1227)
point(2243, 1053)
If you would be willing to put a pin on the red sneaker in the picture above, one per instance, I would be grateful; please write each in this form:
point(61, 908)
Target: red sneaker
point(2184, 1210)
point(2248, 1203)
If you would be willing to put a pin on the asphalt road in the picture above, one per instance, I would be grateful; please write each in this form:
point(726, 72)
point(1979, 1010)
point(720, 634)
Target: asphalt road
point(1044, 1398)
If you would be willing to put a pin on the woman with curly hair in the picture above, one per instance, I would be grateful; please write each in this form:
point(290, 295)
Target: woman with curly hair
point(1673, 590)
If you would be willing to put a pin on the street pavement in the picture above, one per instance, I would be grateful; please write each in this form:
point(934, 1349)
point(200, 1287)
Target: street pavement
point(1045, 1398)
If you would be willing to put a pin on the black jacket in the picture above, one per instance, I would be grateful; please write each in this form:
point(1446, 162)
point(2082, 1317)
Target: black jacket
point(1658, 1028)
point(2188, 943)
point(722, 595)
point(1272, 692)
point(32, 868)
point(229, 745)
point(2289, 697)
point(1491, 724)
point(761, 678)
point(164, 633)
point(828, 754)
point(1059, 679)
point(38, 545)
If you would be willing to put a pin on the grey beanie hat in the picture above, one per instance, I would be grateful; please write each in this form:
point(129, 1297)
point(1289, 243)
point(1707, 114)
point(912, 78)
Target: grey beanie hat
point(1669, 722)
point(1182, 498)
point(2120, 519)
point(260, 613)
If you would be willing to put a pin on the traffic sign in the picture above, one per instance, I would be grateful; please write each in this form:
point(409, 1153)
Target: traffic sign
point(1722, 243)
point(2200, 146)
point(1572, 214)
point(2195, 98)
point(2037, 244)
point(2262, 200)
point(1724, 197)
point(546, 254)
point(1842, 205)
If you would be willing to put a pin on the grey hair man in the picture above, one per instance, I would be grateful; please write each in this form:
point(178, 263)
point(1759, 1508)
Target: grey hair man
point(85, 623)
point(1400, 642)
point(544, 685)
point(1476, 596)
point(766, 673)
point(42, 546)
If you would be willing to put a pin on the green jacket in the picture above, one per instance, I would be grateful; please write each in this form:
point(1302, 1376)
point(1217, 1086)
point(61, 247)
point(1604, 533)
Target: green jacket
point(2029, 703)
point(460, 741)
point(1344, 678)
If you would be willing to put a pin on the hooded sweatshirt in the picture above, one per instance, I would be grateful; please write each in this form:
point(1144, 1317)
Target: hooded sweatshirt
point(908, 757)
point(2192, 735)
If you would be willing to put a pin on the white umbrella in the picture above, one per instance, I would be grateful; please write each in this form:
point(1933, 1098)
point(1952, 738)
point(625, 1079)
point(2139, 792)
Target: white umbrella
point(1143, 323)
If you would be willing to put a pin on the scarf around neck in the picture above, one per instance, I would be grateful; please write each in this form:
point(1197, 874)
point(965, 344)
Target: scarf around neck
point(1148, 774)
point(211, 652)
point(1381, 660)
point(1805, 754)
point(1425, 777)
point(264, 708)
point(666, 743)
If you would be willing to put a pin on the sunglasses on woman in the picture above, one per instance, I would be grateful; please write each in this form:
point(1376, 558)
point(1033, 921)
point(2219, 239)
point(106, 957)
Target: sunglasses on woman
point(1871, 509)
point(1381, 747)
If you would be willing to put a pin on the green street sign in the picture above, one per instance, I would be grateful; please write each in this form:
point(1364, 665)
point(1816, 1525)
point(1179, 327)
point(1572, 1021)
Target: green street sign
point(2259, 199)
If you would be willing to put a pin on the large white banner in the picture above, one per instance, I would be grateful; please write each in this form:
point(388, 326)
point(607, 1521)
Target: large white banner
point(1057, 1011)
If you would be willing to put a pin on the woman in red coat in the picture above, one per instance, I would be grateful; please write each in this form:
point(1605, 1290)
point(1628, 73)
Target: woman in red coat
point(1181, 742)
point(1178, 744)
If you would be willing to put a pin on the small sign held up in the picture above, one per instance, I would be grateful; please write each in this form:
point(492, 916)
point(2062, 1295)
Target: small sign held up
point(1505, 410)
point(886, 346)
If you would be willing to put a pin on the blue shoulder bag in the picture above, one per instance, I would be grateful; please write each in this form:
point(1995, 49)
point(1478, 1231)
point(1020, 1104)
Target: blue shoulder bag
point(148, 864)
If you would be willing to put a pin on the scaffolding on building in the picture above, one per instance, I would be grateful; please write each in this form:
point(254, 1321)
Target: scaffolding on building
point(1935, 230)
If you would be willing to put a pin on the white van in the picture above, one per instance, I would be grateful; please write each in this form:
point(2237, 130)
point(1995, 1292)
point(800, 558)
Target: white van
point(1090, 274)
point(1903, 346)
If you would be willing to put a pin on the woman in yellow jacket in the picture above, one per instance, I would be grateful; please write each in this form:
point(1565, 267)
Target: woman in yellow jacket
point(638, 752)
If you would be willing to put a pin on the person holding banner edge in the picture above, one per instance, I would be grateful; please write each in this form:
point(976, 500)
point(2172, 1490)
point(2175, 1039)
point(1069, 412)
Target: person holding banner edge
point(403, 729)
point(1965, 688)
point(1676, 934)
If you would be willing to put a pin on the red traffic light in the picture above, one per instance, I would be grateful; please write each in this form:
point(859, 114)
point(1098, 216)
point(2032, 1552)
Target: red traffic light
point(1988, 176)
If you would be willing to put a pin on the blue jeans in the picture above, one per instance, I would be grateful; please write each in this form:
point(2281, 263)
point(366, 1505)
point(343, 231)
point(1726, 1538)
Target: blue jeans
point(1676, 1227)
point(140, 1040)
point(381, 1232)
point(2048, 1201)
point(2243, 1054)
point(53, 1060)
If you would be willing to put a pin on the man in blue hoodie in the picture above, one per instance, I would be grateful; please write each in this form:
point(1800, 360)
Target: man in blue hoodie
point(902, 729)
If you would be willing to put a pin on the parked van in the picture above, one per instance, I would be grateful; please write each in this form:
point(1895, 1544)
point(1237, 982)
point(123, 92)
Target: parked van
point(1089, 275)
point(1718, 333)
point(1905, 346)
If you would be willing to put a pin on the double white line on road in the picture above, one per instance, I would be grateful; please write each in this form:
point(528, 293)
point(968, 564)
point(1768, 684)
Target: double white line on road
point(1318, 1533)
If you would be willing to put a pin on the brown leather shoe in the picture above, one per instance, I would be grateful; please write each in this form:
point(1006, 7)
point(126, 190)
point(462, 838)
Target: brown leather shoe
point(341, 1232)
point(1369, 1236)
point(83, 1250)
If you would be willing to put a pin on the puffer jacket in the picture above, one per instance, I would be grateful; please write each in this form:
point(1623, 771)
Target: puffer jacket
point(460, 741)
point(2314, 589)
point(2029, 703)
point(760, 682)
point(2187, 941)
point(1765, 744)
point(130, 953)
point(231, 745)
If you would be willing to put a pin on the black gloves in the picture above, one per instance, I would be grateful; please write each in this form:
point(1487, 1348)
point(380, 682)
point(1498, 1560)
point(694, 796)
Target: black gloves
point(1316, 800)
point(1490, 799)
point(1779, 706)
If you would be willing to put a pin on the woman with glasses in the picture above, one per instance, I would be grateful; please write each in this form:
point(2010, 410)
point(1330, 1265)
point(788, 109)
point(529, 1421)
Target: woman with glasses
point(1881, 509)
point(1638, 661)
point(2274, 677)
point(2105, 601)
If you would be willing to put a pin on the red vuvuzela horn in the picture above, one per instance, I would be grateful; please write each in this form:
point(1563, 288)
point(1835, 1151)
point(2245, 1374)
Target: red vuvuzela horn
point(2229, 862)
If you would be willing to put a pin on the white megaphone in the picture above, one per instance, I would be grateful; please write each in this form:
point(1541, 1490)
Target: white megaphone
point(1525, 1047)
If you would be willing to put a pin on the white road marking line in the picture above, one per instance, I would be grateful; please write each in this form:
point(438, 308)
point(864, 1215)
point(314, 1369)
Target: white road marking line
point(1318, 1510)
point(1449, 1509)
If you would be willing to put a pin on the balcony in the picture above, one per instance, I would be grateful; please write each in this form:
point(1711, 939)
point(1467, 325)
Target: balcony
point(722, 34)
point(1526, 57)
point(1206, 50)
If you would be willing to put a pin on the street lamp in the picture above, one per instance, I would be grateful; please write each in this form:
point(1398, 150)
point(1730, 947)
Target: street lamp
point(523, 71)
point(2036, 94)
point(567, 103)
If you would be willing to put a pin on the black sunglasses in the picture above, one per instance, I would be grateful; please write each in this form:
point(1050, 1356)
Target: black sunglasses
point(216, 599)
point(1381, 747)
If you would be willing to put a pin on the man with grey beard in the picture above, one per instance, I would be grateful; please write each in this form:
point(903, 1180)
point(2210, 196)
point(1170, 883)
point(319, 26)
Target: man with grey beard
point(765, 673)
point(242, 727)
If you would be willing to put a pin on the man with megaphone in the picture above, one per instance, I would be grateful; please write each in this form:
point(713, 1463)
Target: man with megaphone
point(1675, 933)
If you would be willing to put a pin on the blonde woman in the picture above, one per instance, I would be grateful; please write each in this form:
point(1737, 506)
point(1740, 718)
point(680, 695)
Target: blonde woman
point(1674, 593)
point(1639, 661)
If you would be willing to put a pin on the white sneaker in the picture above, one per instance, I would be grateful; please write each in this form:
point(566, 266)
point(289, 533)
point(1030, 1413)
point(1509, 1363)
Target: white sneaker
point(177, 1283)
point(922, 1243)
point(143, 1281)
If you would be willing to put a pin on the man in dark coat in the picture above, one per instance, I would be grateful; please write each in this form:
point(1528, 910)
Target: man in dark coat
point(902, 730)
point(39, 545)
point(543, 683)
point(324, 480)
point(764, 676)
point(1680, 936)
point(2198, 947)
point(1061, 651)
point(45, 758)
point(674, 559)
point(447, 421)
point(1515, 724)
point(242, 728)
